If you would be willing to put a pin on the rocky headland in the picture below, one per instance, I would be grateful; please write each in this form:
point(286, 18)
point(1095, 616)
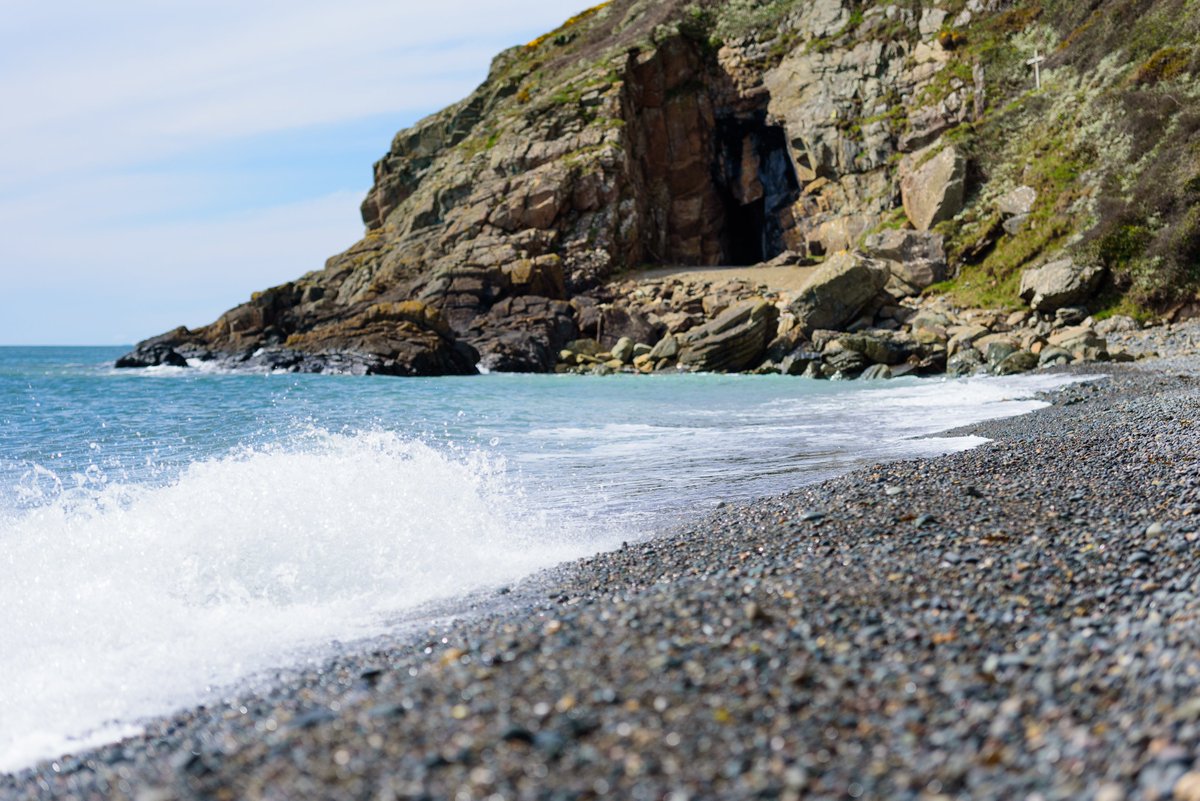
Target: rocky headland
point(938, 208)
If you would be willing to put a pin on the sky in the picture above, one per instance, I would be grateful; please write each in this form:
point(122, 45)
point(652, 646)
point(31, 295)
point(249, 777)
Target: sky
point(161, 161)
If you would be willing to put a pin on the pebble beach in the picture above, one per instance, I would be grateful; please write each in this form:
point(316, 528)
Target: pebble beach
point(1017, 621)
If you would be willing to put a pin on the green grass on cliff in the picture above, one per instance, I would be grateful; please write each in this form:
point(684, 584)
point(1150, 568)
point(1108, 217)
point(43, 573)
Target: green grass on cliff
point(1111, 144)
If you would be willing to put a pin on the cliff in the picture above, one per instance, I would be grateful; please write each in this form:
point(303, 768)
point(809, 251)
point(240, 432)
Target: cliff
point(904, 147)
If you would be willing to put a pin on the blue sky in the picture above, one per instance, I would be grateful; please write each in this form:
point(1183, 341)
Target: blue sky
point(159, 162)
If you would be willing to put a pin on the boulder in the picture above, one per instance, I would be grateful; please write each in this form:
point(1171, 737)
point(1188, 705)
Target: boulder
point(588, 347)
point(1053, 355)
point(964, 336)
point(1014, 225)
point(1116, 324)
point(1017, 203)
point(618, 321)
point(666, 348)
point(878, 348)
point(997, 350)
point(838, 292)
point(1082, 342)
point(788, 258)
point(736, 340)
point(623, 350)
point(930, 328)
point(915, 259)
point(966, 362)
point(1059, 283)
point(1021, 361)
point(798, 363)
point(876, 372)
point(1070, 315)
point(932, 189)
point(151, 355)
point(845, 364)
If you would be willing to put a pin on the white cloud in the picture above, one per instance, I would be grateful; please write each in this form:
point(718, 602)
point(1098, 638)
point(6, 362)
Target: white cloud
point(104, 104)
point(138, 80)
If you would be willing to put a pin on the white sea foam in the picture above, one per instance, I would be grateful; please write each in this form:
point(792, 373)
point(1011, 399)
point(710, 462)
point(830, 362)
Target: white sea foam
point(124, 601)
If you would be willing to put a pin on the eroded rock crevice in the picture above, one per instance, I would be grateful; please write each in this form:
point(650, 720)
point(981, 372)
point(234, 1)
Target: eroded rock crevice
point(757, 182)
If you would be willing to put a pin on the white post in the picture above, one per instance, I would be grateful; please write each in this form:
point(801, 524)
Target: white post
point(1036, 63)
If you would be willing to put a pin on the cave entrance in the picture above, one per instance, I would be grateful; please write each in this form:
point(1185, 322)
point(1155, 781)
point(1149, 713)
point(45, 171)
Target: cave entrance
point(757, 183)
point(745, 233)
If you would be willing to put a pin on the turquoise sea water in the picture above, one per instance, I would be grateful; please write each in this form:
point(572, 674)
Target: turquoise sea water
point(169, 531)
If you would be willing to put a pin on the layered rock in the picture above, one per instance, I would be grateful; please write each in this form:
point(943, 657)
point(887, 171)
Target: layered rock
point(734, 341)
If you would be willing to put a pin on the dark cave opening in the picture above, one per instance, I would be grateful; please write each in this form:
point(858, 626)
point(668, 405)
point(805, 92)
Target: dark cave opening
point(744, 235)
point(757, 183)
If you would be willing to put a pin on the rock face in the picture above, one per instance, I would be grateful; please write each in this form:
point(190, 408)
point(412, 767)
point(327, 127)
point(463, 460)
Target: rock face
point(838, 292)
point(933, 188)
point(1059, 283)
point(671, 133)
point(406, 338)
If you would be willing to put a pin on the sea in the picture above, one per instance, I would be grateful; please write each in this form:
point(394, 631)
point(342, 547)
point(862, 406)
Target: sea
point(168, 534)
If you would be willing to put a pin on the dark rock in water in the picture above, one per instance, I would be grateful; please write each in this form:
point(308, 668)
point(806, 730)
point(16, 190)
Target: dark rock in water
point(523, 334)
point(408, 338)
point(876, 372)
point(847, 362)
point(152, 356)
point(734, 341)
point(999, 350)
point(797, 363)
point(516, 352)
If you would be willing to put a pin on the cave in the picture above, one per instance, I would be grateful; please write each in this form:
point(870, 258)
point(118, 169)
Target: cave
point(757, 182)
point(745, 237)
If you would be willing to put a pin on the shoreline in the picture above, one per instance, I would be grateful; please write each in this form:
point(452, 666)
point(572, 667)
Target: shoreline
point(960, 625)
